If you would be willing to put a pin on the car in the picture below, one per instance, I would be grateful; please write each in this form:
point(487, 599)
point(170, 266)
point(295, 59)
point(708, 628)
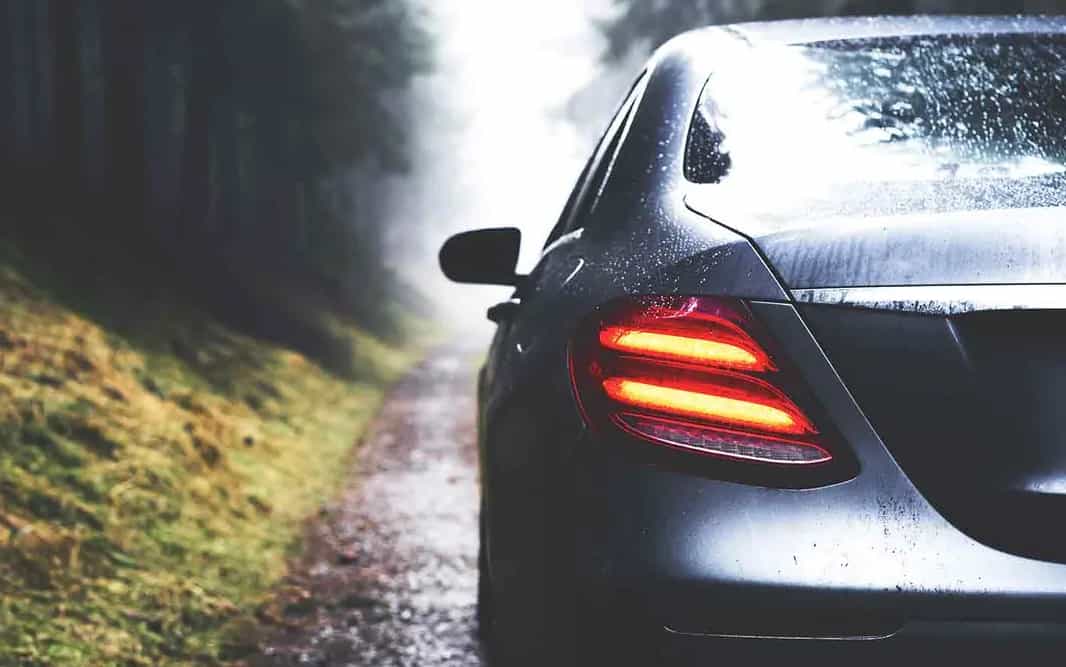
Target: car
point(788, 378)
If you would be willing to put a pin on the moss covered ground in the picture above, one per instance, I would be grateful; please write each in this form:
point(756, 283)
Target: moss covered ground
point(155, 469)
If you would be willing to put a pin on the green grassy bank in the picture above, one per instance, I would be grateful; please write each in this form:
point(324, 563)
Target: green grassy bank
point(155, 469)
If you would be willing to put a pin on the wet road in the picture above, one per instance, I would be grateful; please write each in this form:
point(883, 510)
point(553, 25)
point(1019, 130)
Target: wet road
point(389, 575)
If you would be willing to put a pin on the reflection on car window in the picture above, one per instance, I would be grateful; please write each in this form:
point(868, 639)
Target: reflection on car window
point(882, 111)
point(606, 163)
point(589, 184)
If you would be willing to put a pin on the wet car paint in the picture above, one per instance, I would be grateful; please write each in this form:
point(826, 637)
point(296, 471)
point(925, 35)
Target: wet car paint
point(1016, 246)
point(672, 548)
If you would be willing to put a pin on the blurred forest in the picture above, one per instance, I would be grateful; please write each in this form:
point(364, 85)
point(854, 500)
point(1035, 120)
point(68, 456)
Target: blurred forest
point(221, 143)
point(197, 319)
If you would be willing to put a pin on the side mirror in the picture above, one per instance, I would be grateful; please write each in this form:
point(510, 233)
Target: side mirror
point(486, 256)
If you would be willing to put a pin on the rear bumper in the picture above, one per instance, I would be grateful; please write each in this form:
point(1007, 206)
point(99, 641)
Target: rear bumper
point(976, 643)
point(973, 643)
point(862, 560)
point(698, 568)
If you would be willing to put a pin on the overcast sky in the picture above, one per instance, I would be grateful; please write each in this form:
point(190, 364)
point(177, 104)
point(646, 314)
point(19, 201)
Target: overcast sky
point(494, 144)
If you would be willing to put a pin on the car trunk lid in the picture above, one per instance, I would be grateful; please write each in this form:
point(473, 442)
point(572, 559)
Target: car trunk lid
point(949, 329)
point(894, 235)
point(970, 406)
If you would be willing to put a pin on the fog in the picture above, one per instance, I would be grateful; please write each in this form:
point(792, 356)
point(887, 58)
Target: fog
point(517, 96)
point(497, 140)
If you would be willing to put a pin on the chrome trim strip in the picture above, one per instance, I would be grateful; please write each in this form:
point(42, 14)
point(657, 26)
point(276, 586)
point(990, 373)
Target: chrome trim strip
point(569, 237)
point(940, 299)
point(817, 637)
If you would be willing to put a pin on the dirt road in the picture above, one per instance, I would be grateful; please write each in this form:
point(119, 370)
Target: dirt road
point(389, 575)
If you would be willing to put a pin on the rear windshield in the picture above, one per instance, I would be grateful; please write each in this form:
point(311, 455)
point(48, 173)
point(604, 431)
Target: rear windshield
point(902, 124)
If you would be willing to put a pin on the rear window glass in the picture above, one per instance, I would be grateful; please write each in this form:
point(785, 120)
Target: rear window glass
point(909, 123)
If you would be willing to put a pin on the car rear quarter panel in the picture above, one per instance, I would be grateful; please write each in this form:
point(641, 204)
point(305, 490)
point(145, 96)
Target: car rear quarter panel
point(640, 239)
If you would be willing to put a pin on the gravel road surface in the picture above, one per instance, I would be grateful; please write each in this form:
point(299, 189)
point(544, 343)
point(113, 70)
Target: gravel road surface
point(389, 573)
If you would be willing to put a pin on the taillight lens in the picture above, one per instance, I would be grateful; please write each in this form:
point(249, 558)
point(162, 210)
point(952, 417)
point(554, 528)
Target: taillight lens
point(692, 373)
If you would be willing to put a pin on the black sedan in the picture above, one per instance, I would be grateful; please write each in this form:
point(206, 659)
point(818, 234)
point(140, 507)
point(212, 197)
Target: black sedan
point(790, 375)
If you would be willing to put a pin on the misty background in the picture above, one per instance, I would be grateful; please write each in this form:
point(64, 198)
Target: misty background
point(281, 155)
point(522, 91)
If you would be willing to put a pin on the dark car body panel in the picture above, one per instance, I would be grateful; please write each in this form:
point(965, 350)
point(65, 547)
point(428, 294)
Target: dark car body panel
point(1010, 246)
point(873, 545)
point(971, 406)
point(682, 550)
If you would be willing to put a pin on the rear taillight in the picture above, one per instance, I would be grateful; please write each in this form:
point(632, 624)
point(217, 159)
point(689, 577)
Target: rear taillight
point(692, 373)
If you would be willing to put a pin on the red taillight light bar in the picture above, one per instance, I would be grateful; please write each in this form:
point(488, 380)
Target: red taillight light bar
point(709, 404)
point(685, 346)
point(689, 372)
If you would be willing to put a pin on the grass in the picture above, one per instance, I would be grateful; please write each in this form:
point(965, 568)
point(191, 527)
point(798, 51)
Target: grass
point(155, 469)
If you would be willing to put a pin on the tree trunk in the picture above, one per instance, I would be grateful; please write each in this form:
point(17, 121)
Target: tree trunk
point(274, 229)
point(194, 190)
point(160, 97)
point(66, 170)
point(7, 90)
point(123, 43)
point(23, 66)
point(227, 146)
point(34, 71)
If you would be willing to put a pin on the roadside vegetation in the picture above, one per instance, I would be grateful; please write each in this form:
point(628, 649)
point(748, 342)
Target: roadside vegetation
point(197, 317)
point(156, 464)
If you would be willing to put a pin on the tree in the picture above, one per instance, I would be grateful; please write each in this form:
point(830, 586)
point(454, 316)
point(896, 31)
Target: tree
point(8, 94)
point(67, 157)
point(248, 133)
point(123, 41)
